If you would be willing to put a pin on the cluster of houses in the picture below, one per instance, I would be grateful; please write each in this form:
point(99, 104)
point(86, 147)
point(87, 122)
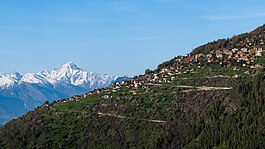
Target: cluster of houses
point(250, 42)
point(245, 57)
point(235, 58)
point(131, 84)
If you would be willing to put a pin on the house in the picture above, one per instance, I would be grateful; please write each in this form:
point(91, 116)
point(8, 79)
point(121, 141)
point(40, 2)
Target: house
point(258, 66)
point(245, 50)
point(244, 58)
point(253, 50)
point(229, 54)
point(235, 68)
point(106, 96)
point(234, 50)
point(134, 92)
point(259, 52)
point(197, 56)
point(170, 74)
point(178, 60)
point(209, 55)
point(247, 72)
point(235, 76)
point(219, 56)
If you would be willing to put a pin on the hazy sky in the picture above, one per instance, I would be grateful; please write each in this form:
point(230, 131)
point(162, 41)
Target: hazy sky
point(115, 36)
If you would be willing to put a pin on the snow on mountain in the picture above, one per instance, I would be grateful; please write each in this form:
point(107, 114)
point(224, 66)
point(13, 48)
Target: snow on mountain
point(34, 89)
point(16, 76)
point(34, 78)
point(44, 73)
point(69, 73)
point(9, 80)
point(72, 74)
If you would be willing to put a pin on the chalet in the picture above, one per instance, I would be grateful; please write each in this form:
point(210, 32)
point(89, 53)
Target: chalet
point(117, 87)
point(253, 50)
point(219, 56)
point(225, 51)
point(170, 74)
point(259, 52)
point(235, 68)
point(247, 72)
point(245, 50)
point(179, 60)
point(258, 66)
point(134, 92)
point(209, 55)
point(234, 50)
point(197, 56)
point(89, 93)
point(106, 96)
point(229, 54)
point(235, 76)
point(244, 58)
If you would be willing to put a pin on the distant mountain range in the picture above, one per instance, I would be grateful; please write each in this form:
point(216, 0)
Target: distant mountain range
point(21, 93)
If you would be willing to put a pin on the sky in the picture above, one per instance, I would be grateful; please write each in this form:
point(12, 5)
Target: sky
point(116, 37)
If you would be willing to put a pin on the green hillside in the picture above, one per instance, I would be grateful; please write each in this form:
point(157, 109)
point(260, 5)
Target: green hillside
point(212, 98)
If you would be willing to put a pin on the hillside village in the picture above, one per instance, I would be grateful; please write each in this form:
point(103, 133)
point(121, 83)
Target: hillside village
point(230, 58)
point(243, 56)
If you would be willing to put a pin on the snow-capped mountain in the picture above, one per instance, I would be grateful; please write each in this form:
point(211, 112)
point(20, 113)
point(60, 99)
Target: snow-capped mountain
point(9, 80)
point(70, 73)
point(33, 89)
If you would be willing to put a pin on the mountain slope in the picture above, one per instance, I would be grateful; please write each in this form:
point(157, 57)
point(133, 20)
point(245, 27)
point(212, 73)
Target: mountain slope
point(254, 38)
point(192, 101)
point(33, 89)
point(6, 112)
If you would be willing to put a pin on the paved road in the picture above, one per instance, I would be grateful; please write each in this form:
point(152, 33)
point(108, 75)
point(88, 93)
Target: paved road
point(192, 88)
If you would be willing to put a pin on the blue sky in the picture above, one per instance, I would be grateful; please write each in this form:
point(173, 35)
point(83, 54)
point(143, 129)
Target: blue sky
point(115, 36)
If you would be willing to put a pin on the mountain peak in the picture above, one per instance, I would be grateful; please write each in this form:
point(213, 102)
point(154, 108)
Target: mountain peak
point(70, 65)
point(16, 75)
point(44, 72)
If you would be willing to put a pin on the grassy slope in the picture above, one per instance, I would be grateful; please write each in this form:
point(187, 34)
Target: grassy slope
point(163, 117)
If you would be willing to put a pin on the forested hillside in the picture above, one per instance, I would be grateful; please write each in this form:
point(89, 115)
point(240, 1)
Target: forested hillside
point(212, 98)
point(255, 38)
